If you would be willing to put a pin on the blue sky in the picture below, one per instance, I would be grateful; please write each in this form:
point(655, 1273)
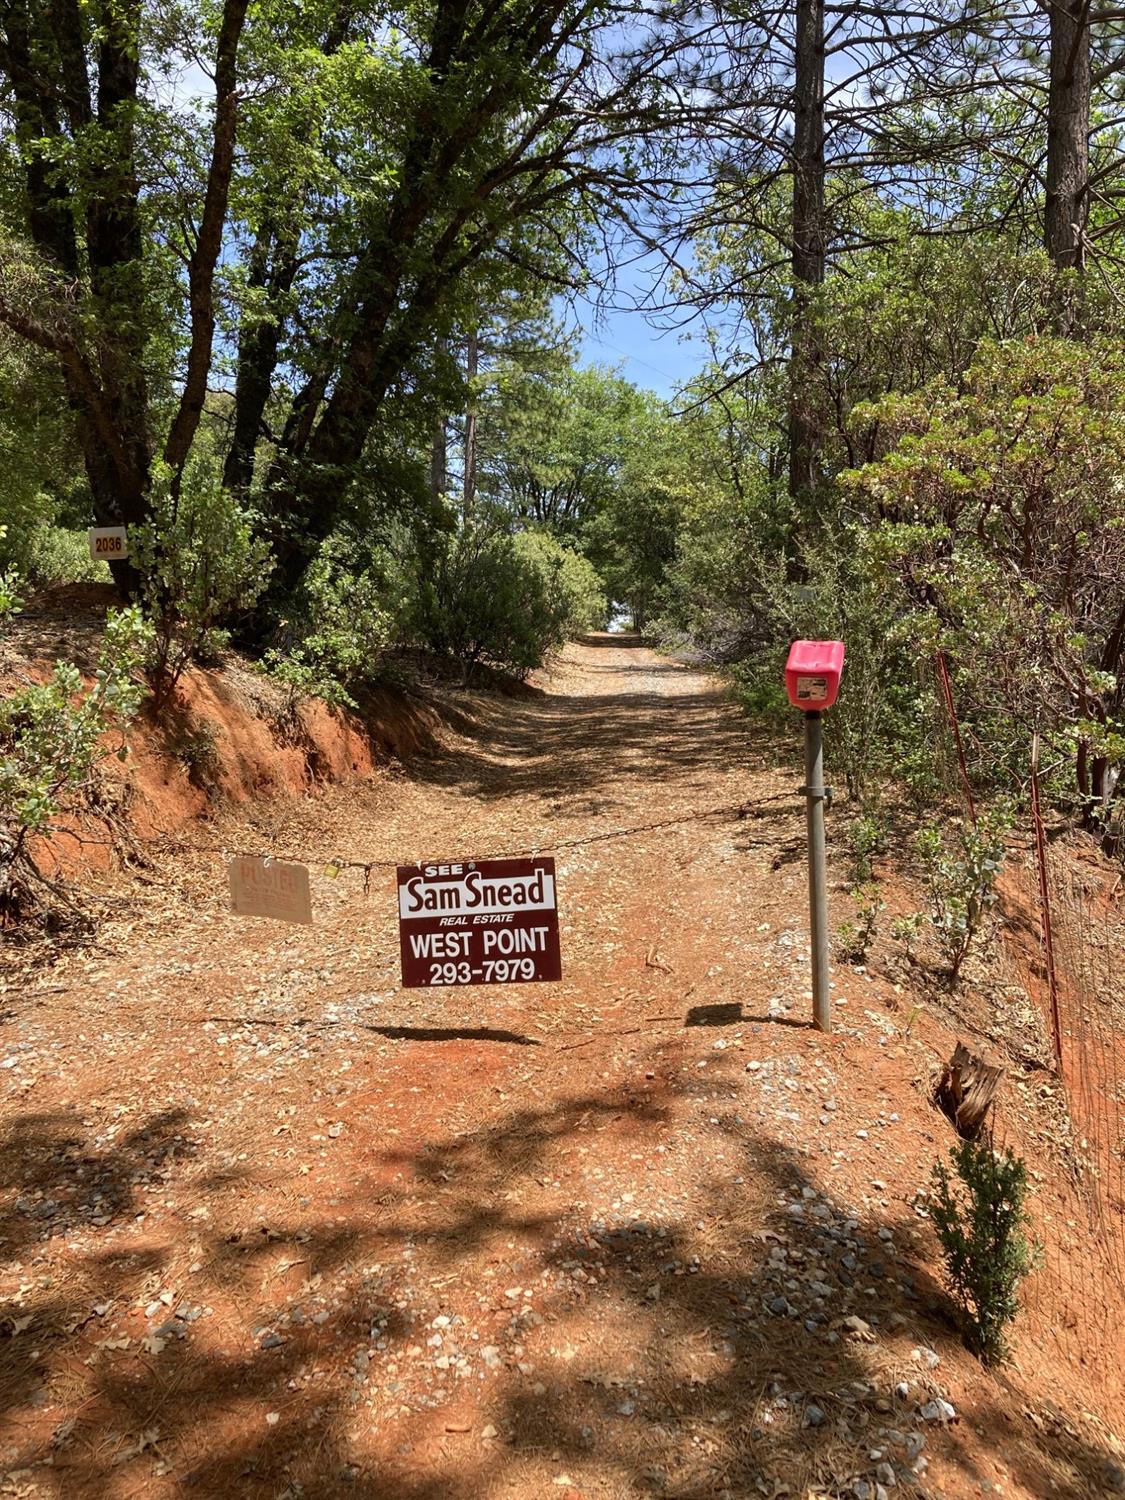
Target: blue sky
point(647, 356)
point(618, 333)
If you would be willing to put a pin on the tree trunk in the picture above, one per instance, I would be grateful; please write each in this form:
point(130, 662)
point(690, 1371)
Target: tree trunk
point(101, 350)
point(966, 1090)
point(273, 269)
point(208, 241)
point(1068, 133)
point(115, 246)
point(470, 486)
point(809, 249)
point(438, 462)
point(325, 436)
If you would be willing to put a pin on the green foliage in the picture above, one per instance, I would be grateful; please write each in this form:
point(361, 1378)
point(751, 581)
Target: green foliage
point(497, 600)
point(981, 1223)
point(905, 930)
point(867, 838)
point(38, 462)
point(1003, 521)
point(961, 873)
point(52, 736)
point(573, 585)
point(11, 600)
point(347, 613)
point(554, 441)
point(632, 540)
point(720, 575)
point(198, 752)
point(10, 597)
point(853, 939)
point(50, 731)
point(60, 554)
point(733, 591)
point(200, 565)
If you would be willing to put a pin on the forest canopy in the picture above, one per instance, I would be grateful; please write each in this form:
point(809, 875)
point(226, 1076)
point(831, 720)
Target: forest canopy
point(290, 293)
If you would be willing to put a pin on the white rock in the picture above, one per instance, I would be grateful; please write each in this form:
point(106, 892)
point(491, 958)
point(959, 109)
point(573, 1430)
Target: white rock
point(937, 1411)
point(927, 1358)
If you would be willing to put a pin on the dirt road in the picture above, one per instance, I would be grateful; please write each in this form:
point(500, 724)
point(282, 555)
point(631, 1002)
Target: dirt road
point(273, 1227)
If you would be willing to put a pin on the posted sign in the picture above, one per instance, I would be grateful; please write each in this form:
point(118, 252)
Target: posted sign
point(269, 888)
point(491, 922)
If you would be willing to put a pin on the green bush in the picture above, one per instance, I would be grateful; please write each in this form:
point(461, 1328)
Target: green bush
point(44, 552)
point(51, 740)
point(200, 565)
point(492, 599)
point(981, 1222)
point(867, 837)
point(572, 580)
point(737, 596)
point(199, 754)
point(1002, 516)
point(961, 876)
point(11, 600)
point(853, 939)
point(60, 554)
point(345, 618)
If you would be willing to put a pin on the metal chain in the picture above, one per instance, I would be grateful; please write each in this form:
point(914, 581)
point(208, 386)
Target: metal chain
point(169, 841)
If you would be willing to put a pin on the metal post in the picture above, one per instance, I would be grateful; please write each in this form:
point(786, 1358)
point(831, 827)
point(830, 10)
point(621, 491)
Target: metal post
point(818, 875)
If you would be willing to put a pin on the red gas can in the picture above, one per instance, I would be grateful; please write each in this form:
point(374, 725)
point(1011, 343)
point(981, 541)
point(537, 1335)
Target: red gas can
point(812, 673)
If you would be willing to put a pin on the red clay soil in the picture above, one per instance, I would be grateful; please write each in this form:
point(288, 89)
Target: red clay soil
point(271, 1226)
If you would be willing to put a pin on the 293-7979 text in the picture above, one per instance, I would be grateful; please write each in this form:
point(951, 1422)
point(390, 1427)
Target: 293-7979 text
point(491, 971)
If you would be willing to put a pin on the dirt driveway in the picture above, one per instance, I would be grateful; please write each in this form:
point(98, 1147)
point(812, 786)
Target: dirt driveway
point(271, 1226)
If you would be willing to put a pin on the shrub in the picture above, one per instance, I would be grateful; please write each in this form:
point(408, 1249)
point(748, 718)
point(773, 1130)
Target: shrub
point(51, 740)
point(11, 600)
point(882, 722)
point(200, 565)
point(867, 836)
point(853, 939)
point(962, 880)
point(198, 752)
point(490, 598)
point(1003, 517)
point(44, 552)
point(60, 554)
point(904, 930)
point(571, 579)
point(346, 617)
point(980, 1224)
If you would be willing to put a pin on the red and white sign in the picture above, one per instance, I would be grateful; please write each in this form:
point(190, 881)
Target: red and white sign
point(494, 921)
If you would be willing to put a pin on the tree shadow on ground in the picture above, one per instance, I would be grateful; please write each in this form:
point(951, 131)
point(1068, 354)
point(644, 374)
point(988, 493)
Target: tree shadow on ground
point(754, 1337)
point(563, 743)
point(497, 1034)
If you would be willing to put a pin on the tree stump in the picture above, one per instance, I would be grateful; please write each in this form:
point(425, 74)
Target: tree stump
point(967, 1088)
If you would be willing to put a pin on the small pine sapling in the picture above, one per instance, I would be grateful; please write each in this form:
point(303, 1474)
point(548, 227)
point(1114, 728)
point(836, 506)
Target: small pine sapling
point(981, 1223)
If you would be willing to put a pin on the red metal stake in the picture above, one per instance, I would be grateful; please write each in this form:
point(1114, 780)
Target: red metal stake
point(1045, 901)
point(947, 692)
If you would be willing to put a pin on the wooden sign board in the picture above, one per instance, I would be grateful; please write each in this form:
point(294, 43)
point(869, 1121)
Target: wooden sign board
point(269, 888)
point(492, 921)
point(108, 543)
